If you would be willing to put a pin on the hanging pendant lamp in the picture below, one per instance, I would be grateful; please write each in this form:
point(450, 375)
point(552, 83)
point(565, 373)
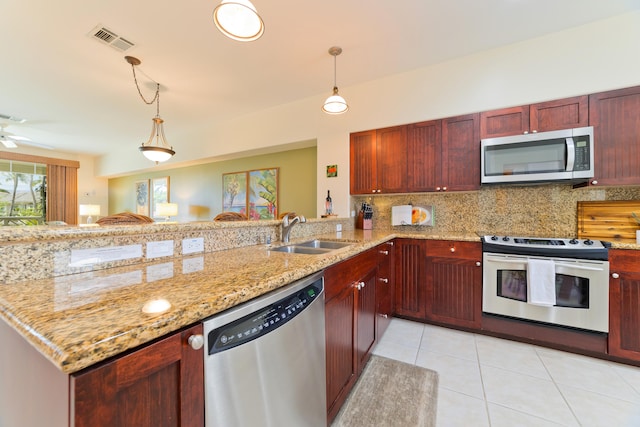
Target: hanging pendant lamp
point(156, 148)
point(238, 20)
point(335, 104)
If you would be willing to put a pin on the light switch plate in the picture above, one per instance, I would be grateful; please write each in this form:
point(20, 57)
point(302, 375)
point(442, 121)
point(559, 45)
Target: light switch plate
point(190, 246)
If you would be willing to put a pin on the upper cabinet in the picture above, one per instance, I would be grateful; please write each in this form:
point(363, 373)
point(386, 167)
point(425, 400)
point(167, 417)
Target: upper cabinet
point(615, 117)
point(546, 116)
point(378, 160)
point(437, 155)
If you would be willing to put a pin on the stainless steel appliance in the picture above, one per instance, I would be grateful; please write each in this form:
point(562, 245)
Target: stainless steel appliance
point(265, 360)
point(579, 284)
point(562, 155)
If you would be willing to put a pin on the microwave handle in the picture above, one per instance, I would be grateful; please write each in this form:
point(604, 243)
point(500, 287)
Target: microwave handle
point(571, 154)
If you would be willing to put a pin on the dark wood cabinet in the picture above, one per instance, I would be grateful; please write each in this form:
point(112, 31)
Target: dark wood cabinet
point(411, 278)
point(615, 117)
point(350, 323)
point(624, 304)
point(378, 161)
point(460, 153)
point(454, 283)
point(161, 384)
point(542, 117)
point(444, 155)
point(385, 286)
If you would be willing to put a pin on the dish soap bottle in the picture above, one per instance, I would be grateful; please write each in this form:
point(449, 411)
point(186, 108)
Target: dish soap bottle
point(328, 204)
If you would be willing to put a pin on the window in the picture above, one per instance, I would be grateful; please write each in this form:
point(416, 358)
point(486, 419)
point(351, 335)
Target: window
point(22, 193)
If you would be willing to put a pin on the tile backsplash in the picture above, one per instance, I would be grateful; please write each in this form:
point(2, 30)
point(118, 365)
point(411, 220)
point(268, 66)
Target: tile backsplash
point(533, 210)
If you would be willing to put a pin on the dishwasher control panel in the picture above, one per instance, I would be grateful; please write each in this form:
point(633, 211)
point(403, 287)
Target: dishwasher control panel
point(263, 321)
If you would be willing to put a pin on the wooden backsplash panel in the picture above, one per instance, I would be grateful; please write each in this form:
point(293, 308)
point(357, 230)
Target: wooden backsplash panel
point(608, 220)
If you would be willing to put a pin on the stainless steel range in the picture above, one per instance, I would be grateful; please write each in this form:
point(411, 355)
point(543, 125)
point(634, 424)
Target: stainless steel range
point(558, 281)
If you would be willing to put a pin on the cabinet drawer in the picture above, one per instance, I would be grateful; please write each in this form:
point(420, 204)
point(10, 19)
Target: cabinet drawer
point(345, 273)
point(454, 249)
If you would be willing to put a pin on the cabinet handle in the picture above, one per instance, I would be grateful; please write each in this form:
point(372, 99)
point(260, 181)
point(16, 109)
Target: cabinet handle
point(437, 188)
point(378, 190)
point(390, 243)
point(534, 131)
point(360, 285)
point(525, 132)
point(594, 182)
point(478, 263)
point(444, 188)
point(373, 191)
point(452, 249)
point(384, 252)
point(383, 280)
point(615, 275)
point(196, 341)
point(384, 315)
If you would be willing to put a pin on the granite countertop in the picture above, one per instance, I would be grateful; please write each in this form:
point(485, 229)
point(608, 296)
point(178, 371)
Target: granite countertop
point(81, 319)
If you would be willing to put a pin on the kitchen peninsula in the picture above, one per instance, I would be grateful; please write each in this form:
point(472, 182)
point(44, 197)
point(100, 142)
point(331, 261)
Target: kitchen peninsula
point(78, 317)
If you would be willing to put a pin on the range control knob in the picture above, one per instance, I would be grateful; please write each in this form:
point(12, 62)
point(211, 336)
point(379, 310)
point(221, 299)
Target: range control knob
point(588, 242)
point(505, 238)
point(494, 237)
point(573, 241)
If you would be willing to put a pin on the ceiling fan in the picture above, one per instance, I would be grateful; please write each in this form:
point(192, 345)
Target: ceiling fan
point(9, 140)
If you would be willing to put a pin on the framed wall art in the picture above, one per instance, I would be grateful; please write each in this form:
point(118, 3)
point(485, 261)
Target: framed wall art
point(142, 197)
point(252, 193)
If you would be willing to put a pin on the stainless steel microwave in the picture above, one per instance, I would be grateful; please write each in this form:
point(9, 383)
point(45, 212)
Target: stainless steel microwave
point(561, 155)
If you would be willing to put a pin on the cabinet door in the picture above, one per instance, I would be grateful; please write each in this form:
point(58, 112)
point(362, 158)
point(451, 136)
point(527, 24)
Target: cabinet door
point(615, 119)
point(161, 384)
point(424, 166)
point(560, 114)
point(504, 122)
point(365, 318)
point(454, 291)
point(411, 278)
point(341, 359)
point(461, 153)
point(454, 283)
point(362, 159)
point(391, 159)
point(624, 304)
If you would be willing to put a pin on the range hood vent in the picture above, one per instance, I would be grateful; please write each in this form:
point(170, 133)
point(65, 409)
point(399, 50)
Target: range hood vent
point(108, 37)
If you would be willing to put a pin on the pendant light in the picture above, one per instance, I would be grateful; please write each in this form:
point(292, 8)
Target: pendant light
point(238, 20)
point(335, 104)
point(156, 148)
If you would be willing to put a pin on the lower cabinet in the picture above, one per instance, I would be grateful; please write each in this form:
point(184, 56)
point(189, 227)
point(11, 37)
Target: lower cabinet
point(624, 304)
point(354, 294)
point(454, 283)
point(410, 266)
point(161, 384)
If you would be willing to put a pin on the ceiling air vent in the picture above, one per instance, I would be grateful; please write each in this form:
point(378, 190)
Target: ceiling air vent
point(110, 38)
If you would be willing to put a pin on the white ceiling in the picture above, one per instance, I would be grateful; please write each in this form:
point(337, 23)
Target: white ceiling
point(78, 95)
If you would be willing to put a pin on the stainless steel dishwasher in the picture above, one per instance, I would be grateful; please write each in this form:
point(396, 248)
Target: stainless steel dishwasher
point(265, 360)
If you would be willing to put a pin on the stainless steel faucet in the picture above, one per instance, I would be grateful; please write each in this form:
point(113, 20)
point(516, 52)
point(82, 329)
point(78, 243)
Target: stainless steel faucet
point(287, 225)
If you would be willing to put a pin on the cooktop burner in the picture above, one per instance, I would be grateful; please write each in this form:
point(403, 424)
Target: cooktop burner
point(567, 248)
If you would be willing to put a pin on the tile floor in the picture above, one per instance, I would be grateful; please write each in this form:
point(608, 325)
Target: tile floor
point(486, 381)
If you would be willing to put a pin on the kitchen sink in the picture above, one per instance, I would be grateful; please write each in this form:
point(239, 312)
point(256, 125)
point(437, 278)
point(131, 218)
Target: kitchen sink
point(293, 249)
point(312, 247)
point(324, 244)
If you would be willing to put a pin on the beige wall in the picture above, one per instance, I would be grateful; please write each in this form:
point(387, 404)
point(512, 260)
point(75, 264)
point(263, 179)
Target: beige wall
point(198, 189)
point(591, 58)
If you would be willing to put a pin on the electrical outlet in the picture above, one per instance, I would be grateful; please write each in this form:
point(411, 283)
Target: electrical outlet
point(338, 227)
point(160, 249)
point(190, 246)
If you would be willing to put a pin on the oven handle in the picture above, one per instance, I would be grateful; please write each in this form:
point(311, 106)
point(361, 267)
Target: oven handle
point(579, 267)
point(508, 261)
point(513, 261)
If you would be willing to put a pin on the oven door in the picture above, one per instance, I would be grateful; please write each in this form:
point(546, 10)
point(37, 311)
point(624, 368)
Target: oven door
point(582, 291)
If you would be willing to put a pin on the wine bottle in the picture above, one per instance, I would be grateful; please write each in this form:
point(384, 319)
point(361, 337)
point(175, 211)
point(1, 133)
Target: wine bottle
point(328, 204)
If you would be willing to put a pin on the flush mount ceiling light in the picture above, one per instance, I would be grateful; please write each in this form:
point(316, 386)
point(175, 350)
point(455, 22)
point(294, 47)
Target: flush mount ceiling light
point(238, 20)
point(335, 104)
point(156, 148)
